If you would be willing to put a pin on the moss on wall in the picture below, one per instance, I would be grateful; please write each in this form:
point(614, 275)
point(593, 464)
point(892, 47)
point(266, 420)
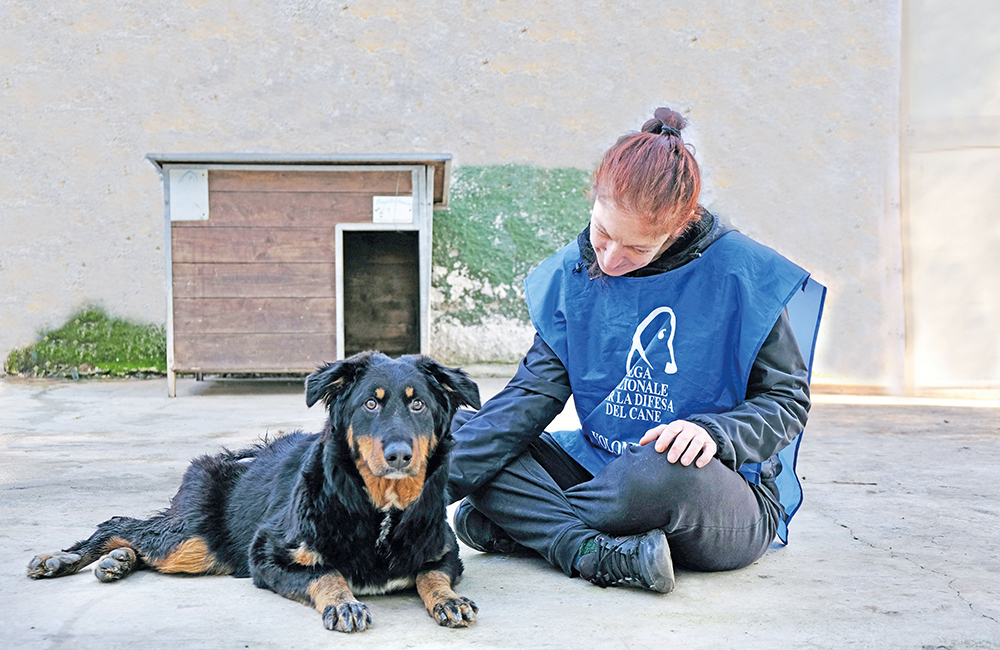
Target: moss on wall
point(501, 222)
point(93, 343)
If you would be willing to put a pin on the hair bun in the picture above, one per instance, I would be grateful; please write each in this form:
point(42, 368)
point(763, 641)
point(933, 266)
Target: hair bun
point(665, 122)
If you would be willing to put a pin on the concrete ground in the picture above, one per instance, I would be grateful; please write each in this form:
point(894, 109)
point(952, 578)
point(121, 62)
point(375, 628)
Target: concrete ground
point(896, 545)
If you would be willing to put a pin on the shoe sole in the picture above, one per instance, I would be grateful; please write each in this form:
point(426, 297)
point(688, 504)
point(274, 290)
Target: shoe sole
point(656, 565)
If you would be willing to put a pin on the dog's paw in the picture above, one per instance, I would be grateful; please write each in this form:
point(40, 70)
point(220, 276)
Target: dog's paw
point(455, 612)
point(53, 565)
point(115, 565)
point(352, 616)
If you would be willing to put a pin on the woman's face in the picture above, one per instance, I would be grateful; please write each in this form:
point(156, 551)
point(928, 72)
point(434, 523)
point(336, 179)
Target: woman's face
point(624, 242)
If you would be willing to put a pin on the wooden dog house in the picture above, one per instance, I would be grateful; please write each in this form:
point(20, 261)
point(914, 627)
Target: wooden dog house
point(276, 264)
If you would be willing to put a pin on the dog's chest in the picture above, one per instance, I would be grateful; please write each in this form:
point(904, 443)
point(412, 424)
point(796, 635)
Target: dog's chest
point(379, 548)
point(385, 529)
point(396, 540)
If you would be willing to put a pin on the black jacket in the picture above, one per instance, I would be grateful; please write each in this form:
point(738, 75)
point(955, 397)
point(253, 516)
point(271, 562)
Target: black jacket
point(772, 415)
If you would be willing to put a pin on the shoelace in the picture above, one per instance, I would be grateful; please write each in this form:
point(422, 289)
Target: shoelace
point(615, 564)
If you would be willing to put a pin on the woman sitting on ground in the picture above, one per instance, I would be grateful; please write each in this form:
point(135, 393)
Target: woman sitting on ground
point(668, 328)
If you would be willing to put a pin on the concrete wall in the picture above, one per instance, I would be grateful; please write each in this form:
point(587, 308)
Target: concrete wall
point(794, 107)
point(951, 147)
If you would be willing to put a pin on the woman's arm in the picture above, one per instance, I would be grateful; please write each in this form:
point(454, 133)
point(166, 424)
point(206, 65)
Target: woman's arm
point(776, 406)
point(509, 421)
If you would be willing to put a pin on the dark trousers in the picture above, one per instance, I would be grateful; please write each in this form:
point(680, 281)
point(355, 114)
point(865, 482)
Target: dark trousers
point(714, 520)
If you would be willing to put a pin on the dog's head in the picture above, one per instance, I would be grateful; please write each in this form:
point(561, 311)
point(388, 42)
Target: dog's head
point(392, 414)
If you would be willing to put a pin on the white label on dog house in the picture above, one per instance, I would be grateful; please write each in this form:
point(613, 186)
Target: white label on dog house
point(392, 209)
point(189, 195)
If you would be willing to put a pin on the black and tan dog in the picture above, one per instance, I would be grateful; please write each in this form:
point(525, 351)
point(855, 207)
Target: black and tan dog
point(357, 509)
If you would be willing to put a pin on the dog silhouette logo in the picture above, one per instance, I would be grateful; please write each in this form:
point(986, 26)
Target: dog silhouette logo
point(663, 322)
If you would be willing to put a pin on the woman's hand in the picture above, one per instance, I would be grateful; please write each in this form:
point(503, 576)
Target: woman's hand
point(687, 441)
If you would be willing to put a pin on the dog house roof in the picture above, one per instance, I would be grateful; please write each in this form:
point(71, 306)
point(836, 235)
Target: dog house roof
point(441, 162)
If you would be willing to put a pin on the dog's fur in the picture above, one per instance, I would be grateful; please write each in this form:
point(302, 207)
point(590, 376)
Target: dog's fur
point(358, 508)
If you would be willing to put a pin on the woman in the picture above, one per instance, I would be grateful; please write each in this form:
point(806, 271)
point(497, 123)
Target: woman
point(668, 328)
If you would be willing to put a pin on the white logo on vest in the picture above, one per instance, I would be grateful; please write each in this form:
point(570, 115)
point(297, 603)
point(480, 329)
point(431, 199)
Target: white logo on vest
point(638, 396)
point(637, 346)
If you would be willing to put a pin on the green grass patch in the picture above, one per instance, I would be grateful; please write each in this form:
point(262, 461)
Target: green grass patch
point(92, 343)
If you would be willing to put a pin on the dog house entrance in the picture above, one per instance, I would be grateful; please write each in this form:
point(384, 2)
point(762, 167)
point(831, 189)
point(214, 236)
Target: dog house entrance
point(381, 291)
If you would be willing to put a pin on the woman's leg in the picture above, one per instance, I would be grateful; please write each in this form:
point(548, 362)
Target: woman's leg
point(714, 520)
point(526, 502)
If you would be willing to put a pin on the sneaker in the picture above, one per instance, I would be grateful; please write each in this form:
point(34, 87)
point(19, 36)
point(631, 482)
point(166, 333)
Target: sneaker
point(478, 532)
point(638, 560)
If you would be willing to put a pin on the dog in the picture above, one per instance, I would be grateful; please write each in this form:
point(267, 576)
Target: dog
point(318, 518)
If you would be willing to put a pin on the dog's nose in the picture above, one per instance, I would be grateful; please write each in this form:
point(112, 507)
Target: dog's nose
point(398, 455)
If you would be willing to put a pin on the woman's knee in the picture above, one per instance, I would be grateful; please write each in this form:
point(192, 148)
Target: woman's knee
point(641, 490)
point(643, 473)
point(721, 548)
point(633, 493)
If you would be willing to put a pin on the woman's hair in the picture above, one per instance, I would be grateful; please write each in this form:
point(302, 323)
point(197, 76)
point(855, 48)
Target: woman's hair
point(651, 174)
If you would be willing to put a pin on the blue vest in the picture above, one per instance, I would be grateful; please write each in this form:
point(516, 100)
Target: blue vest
point(647, 351)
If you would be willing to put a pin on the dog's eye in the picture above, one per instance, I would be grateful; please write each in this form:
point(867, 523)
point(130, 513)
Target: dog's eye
point(417, 405)
point(371, 404)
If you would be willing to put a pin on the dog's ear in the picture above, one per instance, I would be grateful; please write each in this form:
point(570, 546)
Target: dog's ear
point(458, 387)
point(328, 381)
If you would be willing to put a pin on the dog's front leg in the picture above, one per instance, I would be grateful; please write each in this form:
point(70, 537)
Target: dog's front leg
point(442, 603)
point(332, 597)
point(300, 575)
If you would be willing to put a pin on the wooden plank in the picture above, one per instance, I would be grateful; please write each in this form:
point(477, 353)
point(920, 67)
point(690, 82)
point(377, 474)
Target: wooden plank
point(260, 315)
point(375, 182)
point(385, 330)
point(254, 280)
point(393, 331)
point(381, 287)
point(375, 316)
point(361, 331)
point(284, 209)
point(384, 258)
point(236, 245)
point(253, 352)
point(393, 346)
point(363, 248)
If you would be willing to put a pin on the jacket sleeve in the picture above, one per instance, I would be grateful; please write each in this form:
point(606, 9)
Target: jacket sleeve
point(776, 406)
point(505, 426)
